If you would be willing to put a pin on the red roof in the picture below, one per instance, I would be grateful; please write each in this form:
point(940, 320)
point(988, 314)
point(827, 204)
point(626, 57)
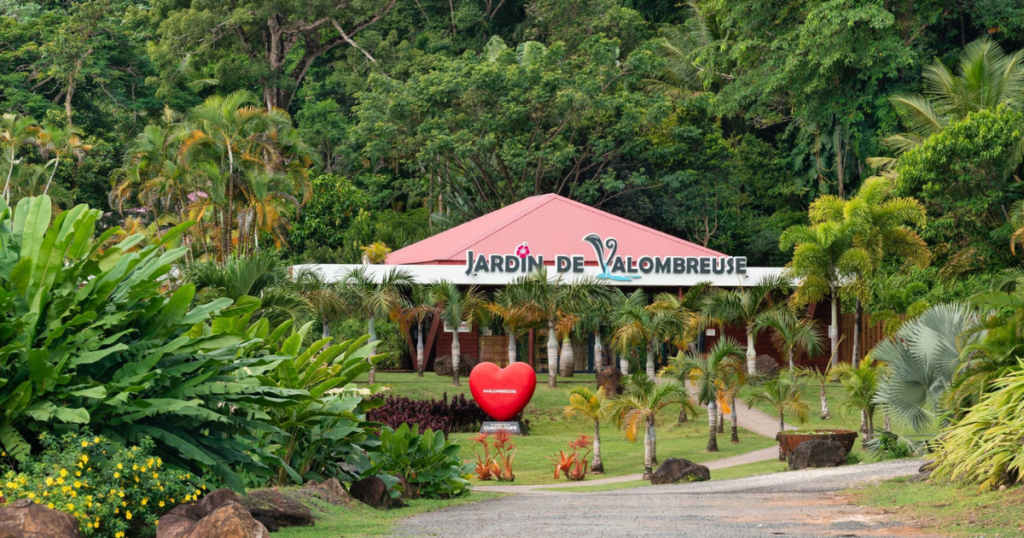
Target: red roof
point(551, 225)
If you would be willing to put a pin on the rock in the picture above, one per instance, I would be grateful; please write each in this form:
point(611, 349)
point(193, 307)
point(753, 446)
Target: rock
point(213, 500)
point(409, 491)
point(283, 518)
point(268, 522)
point(372, 491)
point(610, 379)
point(766, 366)
point(675, 469)
point(327, 491)
point(174, 526)
point(186, 511)
point(928, 467)
point(231, 520)
point(817, 453)
point(443, 365)
point(26, 519)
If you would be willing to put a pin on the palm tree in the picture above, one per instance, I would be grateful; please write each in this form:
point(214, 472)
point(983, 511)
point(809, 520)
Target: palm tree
point(639, 405)
point(590, 319)
point(327, 302)
point(744, 305)
point(454, 307)
point(16, 132)
point(790, 334)
point(881, 227)
point(550, 301)
point(416, 312)
point(710, 373)
point(646, 326)
point(584, 403)
point(383, 297)
point(985, 78)
point(784, 394)
point(821, 377)
point(61, 141)
point(922, 360)
point(861, 384)
point(262, 275)
point(732, 384)
point(514, 319)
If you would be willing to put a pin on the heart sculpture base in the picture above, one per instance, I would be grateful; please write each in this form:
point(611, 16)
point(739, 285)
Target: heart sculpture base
point(514, 428)
point(502, 393)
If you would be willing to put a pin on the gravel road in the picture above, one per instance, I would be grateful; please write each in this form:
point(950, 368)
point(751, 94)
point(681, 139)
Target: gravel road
point(801, 503)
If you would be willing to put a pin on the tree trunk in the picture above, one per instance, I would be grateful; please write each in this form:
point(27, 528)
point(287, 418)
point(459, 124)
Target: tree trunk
point(624, 365)
point(512, 351)
point(833, 333)
point(682, 415)
point(735, 421)
point(887, 426)
point(648, 453)
point(654, 441)
point(552, 355)
point(782, 428)
point(650, 359)
point(598, 352)
point(597, 466)
point(824, 404)
point(567, 362)
point(456, 355)
point(325, 328)
point(871, 426)
point(56, 163)
point(864, 424)
point(858, 314)
point(751, 352)
point(721, 420)
point(789, 356)
point(712, 426)
point(420, 362)
point(373, 351)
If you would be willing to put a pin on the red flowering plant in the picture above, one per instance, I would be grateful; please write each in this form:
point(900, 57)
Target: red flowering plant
point(500, 465)
point(573, 464)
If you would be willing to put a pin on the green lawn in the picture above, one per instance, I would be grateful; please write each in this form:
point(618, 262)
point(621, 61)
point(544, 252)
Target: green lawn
point(361, 520)
point(948, 509)
point(550, 430)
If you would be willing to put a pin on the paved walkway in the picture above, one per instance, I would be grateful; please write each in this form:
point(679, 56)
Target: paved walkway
point(753, 420)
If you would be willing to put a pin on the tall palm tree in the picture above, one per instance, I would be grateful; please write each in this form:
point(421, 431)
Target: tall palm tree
point(61, 141)
point(710, 373)
point(16, 132)
point(744, 305)
point(647, 326)
point(516, 320)
point(880, 227)
point(377, 297)
point(985, 78)
point(324, 298)
point(784, 394)
point(638, 406)
point(590, 319)
point(455, 306)
point(584, 403)
point(416, 312)
point(550, 301)
point(861, 384)
point(923, 358)
point(790, 334)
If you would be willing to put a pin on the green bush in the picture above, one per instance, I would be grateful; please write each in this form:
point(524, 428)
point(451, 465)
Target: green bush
point(113, 492)
point(428, 461)
point(888, 446)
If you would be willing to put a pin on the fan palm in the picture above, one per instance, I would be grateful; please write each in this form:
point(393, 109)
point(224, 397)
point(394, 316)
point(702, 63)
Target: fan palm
point(377, 297)
point(710, 373)
point(550, 301)
point(790, 334)
point(985, 77)
point(584, 403)
point(262, 275)
point(638, 406)
point(744, 305)
point(646, 326)
point(455, 306)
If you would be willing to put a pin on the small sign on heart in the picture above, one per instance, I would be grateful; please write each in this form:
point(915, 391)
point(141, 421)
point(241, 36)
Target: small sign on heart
point(502, 393)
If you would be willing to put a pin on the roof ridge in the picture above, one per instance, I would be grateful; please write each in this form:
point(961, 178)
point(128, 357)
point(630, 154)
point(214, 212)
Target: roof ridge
point(528, 208)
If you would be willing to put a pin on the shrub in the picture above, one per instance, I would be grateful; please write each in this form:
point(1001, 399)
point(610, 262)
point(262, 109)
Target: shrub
point(500, 465)
point(428, 461)
point(888, 446)
point(461, 415)
point(113, 492)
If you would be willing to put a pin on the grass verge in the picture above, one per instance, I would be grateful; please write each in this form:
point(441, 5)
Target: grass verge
point(361, 520)
point(948, 509)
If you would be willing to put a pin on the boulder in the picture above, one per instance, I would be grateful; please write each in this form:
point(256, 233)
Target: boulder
point(675, 469)
point(213, 500)
point(231, 520)
point(282, 518)
point(26, 519)
point(766, 366)
point(409, 491)
point(174, 526)
point(610, 379)
point(817, 453)
point(372, 491)
point(329, 490)
point(443, 365)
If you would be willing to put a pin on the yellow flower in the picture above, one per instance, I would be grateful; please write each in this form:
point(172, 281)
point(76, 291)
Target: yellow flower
point(156, 475)
point(96, 525)
point(144, 501)
point(119, 535)
point(31, 495)
point(161, 504)
point(117, 475)
point(78, 484)
point(50, 506)
point(4, 454)
point(119, 466)
point(124, 503)
point(85, 458)
point(198, 493)
point(150, 462)
point(63, 473)
point(78, 474)
point(85, 444)
point(49, 481)
point(120, 494)
point(135, 467)
point(95, 439)
point(128, 514)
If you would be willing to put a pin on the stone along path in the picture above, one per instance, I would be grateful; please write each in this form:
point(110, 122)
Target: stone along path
point(753, 420)
point(801, 503)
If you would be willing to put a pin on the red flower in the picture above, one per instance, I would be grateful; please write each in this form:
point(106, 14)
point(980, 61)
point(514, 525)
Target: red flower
point(523, 250)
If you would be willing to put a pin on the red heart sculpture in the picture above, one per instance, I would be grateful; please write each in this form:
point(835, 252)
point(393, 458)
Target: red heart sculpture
point(502, 393)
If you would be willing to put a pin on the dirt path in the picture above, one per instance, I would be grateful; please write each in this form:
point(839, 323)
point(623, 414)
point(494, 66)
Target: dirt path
point(802, 503)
